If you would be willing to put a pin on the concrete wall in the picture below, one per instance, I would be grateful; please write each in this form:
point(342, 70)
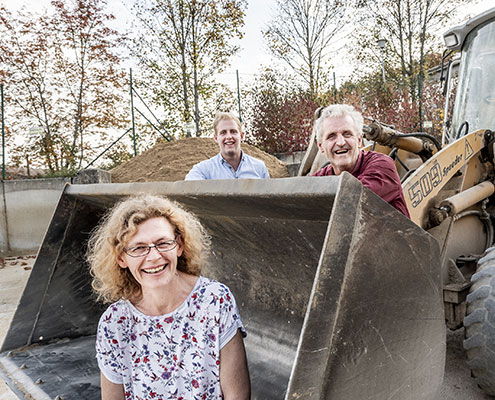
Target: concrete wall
point(292, 161)
point(291, 158)
point(26, 211)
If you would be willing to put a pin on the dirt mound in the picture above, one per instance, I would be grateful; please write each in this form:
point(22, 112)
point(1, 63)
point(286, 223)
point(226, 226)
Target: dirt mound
point(172, 161)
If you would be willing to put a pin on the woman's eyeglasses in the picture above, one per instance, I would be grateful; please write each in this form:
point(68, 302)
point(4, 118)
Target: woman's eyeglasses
point(162, 247)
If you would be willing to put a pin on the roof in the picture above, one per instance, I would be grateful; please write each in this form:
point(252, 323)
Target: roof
point(454, 37)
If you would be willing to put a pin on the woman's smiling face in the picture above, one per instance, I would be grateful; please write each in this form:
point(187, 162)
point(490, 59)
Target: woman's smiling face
point(156, 269)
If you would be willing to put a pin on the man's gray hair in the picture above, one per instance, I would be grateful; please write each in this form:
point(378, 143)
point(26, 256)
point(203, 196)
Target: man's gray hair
point(337, 110)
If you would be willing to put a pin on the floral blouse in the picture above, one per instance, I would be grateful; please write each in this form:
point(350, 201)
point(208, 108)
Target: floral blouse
point(173, 356)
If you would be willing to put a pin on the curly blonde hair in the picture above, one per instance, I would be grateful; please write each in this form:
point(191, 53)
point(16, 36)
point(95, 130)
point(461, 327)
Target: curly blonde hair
point(108, 240)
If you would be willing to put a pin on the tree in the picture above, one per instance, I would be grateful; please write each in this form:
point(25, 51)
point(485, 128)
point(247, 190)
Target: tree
point(61, 78)
point(279, 117)
point(392, 104)
point(410, 27)
point(86, 57)
point(301, 33)
point(182, 44)
point(26, 64)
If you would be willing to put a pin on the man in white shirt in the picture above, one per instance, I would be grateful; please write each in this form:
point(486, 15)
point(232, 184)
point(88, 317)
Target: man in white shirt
point(231, 162)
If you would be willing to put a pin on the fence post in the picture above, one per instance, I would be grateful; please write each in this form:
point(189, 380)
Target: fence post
point(132, 114)
point(3, 135)
point(238, 95)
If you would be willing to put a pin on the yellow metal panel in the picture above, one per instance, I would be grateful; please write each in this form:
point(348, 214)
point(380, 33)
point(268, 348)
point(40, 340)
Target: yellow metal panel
point(422, 186)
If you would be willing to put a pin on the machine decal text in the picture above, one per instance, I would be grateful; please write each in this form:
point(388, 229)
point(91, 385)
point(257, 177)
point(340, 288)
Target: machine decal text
point(456, 161)
point(425, 184)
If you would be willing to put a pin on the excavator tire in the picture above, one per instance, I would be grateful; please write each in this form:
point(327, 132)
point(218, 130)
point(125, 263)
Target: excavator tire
point(479, 324)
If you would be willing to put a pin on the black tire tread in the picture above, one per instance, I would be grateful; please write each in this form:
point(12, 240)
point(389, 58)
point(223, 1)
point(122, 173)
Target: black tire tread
point(479, 323)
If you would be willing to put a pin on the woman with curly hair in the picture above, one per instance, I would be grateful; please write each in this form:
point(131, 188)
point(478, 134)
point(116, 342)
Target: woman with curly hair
point(169, 332)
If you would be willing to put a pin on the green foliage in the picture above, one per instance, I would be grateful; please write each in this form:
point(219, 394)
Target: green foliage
point(61, 173)
point(116, 155)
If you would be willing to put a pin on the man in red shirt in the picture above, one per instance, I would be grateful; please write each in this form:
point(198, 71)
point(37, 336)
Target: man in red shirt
point(339, 133)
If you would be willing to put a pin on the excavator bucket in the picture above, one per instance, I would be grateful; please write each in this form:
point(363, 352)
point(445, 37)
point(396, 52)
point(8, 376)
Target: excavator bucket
point(339, 292)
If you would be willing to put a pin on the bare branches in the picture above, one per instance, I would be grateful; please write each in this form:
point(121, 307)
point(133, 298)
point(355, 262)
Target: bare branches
point(301, 35)
point(185, 43)
point(410, 26)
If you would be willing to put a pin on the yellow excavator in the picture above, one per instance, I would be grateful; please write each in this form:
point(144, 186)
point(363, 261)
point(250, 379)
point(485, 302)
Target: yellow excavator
point(451, 194)
point(342, 296)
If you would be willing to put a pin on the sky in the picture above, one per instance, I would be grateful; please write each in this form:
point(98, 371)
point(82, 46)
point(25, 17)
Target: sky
point(254, 54)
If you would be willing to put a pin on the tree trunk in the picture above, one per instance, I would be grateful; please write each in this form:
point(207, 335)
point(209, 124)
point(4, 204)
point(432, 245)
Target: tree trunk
point(182, 45)
point(194, 60)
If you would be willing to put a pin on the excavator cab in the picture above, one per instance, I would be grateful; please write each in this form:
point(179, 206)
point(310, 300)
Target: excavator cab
point(475, 97)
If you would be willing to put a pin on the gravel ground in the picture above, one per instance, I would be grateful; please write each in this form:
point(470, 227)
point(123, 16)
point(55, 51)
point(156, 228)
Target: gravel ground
point(14, 273)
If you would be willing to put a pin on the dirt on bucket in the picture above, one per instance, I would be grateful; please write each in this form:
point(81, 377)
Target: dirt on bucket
point(172, 161)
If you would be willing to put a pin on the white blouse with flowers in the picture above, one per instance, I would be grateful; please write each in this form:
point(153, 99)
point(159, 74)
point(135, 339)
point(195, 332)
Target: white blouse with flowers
point(172, 356)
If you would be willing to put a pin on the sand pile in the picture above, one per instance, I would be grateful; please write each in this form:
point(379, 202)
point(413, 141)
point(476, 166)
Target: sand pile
point(172, 161)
